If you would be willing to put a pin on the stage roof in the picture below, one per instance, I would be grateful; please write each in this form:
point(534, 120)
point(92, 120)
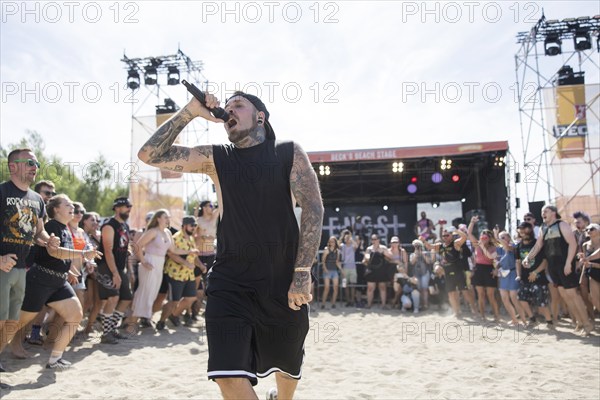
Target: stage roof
point(400, 153)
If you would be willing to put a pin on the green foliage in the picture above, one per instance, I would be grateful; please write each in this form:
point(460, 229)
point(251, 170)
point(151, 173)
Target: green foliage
point(94, 187)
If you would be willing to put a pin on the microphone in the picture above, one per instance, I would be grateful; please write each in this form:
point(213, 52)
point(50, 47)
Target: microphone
point(217, 112)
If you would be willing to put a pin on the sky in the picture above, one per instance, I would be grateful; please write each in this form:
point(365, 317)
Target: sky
point(334, 74)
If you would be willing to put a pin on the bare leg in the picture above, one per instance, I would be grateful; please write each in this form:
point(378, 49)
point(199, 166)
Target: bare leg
point(383, 293)
point(573, 299)
point(505, 296)
point(370, 293)
point(236, 388)
point(13, 331)
point(286, 386)
point(71, 313)
point(585, 295)
point(325, 292)
point(481, 300)
point(554, 302)
point(515, 300)
point(397, 293)
point(336, 285)
point(491, 294)
point(453, 298)
point(595, 293)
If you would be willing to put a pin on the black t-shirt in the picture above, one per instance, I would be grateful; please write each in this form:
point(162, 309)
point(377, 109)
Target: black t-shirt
point(120, 243)
point(62, 232)
point(19, 214)
point(521, 251)
point(258, 236)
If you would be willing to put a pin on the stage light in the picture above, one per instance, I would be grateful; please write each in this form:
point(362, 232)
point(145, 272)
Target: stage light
point(151, 76)
point(337, 209)
point(445, 164)
point(412, 188)
point(435, 204)
point(398, 167)
point(455, 178)
point(385, 208)
point(324, 170)
point(552, 45)
point(499, 161)
point(133, 79)
point(436, 177)
point(413, 179)
point(173, 76)
point(463, 200)
point(582, 40)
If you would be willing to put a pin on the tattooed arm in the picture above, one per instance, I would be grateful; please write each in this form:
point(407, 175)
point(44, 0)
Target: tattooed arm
point(160, 152)
point(305, 188)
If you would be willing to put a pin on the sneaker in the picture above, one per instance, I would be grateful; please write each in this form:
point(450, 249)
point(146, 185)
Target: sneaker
point(272, 394)
point(118, 335)
point(146, 323)
point(174, 320)
point(160, 325)
point(59, 365)
point(35, 340)
point(108, 339)
point(188, 320)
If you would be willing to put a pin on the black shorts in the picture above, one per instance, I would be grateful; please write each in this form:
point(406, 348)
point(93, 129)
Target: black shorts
point(251, 336)
point(42, 289)
point(164, 285)
point(482, 276)
point(179, 289)
point(556, 270)
point(455, 278)
point(105, 284)
point(206, 260)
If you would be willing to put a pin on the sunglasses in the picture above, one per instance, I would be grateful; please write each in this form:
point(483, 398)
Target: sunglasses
point(49, 193)
point(590, 229)
point(79, 212)
point(30, 162)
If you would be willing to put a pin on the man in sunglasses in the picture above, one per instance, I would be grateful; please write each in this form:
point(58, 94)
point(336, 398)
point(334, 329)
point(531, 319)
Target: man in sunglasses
point(46, 189)
point(21, 224)
point(530, 219)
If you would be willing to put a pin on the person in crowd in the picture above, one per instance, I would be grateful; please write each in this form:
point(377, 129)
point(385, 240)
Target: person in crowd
point(590, 259)
point(507, 270)
point(452, 249)
point(180, 273)
point(90, 223)
point(558, 243)
point(530, 218)
point(113, 285)
point(425, 228)
point(581, 221)
point(533, 285)
point(398, 259)
point(348, 251)
point(205, 235)
point(485, 277)
point(376, 272)
point(46, 189)
point(49, 282)
point(421, 261)
point(22, 213)
point(359, 256)
point(151, 249)
point(332, 269)
point(437, 286)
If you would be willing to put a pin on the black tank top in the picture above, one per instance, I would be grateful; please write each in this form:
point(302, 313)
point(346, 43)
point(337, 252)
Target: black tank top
point(554, 243)
point(257, 238)
point(120, 243)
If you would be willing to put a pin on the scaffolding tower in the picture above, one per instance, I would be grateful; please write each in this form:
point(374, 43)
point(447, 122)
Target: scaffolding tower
point(543, 57)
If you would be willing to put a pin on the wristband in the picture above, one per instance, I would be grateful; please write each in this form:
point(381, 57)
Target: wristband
point(305, 269)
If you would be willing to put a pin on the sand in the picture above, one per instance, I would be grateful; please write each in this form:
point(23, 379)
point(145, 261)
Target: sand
point(350, 354)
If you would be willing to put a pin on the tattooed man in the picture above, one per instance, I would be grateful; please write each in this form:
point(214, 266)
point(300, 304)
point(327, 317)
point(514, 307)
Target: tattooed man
point(260, 283)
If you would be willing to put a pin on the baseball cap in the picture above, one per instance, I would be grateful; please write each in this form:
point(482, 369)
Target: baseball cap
point(260, 106)
point(593, 227)
point(149, 216)
point(395, 239)
point(524, 225)
point(121, 201)
point(188, 220)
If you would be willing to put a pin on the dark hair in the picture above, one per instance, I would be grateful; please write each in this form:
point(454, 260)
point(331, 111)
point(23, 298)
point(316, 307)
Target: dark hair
point(78, 205)
point(55, 202)
point(38, 186)
point(13, 154)
point(154, 220)
point(582, 215)
point(202, 204)
point(553, 209)
point(87, 216)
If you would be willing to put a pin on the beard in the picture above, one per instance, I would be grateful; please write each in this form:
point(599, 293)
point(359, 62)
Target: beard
point(237, 135)
point(124, 215)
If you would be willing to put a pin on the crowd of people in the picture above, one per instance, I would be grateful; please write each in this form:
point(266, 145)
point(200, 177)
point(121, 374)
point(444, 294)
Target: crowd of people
point(59, 267)
point(550, 270)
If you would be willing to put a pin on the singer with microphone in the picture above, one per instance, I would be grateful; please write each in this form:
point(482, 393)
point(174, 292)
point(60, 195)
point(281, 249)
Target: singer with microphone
point(260, 283)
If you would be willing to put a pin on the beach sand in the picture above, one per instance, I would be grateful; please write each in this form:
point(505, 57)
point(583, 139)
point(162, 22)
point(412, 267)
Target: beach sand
point(350, 354)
